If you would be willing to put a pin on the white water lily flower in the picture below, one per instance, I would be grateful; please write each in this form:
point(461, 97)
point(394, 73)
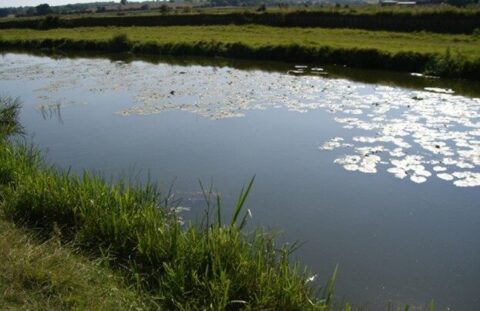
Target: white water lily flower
point(439, 168)
point(467, 179)
point(439, 90)
point(398, 172)
point(418, 179)
point(445, 176)
point(333, 144)
point(462, 164)
point(449, 161)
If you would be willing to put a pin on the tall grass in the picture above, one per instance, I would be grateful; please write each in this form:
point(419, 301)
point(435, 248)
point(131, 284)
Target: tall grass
point(9, 117)
point(218, 266)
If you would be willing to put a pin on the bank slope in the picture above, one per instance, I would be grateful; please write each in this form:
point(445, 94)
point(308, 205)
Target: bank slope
point(43, 275)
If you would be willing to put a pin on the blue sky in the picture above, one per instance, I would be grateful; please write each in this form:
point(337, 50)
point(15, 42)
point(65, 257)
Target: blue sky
point(9, 3)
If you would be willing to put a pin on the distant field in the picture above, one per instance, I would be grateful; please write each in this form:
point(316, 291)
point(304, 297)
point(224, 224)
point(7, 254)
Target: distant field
point(257, 36)
point(440, 19)
point(350, 9)
point(432, 53)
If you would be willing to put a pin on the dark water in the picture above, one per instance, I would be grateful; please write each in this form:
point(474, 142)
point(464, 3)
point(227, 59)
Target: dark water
point(370, 170)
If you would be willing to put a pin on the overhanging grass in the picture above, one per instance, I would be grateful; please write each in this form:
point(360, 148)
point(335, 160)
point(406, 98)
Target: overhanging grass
point(445, 55)
point(216, 266)
point(9, 115)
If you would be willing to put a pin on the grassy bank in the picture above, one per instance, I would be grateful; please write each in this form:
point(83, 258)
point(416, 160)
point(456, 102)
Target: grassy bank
point(440, 54)
point(209, 266)
point(44, 275)
point(435, 19)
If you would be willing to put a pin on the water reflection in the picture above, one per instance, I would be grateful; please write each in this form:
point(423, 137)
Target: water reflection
point(392, 238)
point(410, 133)
point(53, 111)
point(383, 77)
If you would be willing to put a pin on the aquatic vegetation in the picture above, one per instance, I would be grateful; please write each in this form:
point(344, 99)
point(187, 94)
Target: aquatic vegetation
point(410, 166)
point(334, 143)
point(413, 134)
point(426, 129)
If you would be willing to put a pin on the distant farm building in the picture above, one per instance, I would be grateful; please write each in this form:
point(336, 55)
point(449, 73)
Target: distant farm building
point(400, 3)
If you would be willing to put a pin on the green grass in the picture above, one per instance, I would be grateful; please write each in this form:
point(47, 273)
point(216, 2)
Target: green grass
point(9, 115)
point(212, 266)
point(441, 54)
point(187, 268)
point(258, 36)
point(43, 275)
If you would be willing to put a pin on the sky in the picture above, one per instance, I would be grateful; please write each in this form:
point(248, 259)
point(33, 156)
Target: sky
point(15, 3)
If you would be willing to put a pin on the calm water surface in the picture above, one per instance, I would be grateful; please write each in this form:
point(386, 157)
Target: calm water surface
point(376, 172)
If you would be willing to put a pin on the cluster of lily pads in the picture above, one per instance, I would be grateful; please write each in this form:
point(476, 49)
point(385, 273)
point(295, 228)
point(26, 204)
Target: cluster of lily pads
point(416, 134)
point(412, 134)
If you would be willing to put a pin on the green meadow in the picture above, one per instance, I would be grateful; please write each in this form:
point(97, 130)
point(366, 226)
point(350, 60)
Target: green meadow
point(257, 36)
point(433, 53)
